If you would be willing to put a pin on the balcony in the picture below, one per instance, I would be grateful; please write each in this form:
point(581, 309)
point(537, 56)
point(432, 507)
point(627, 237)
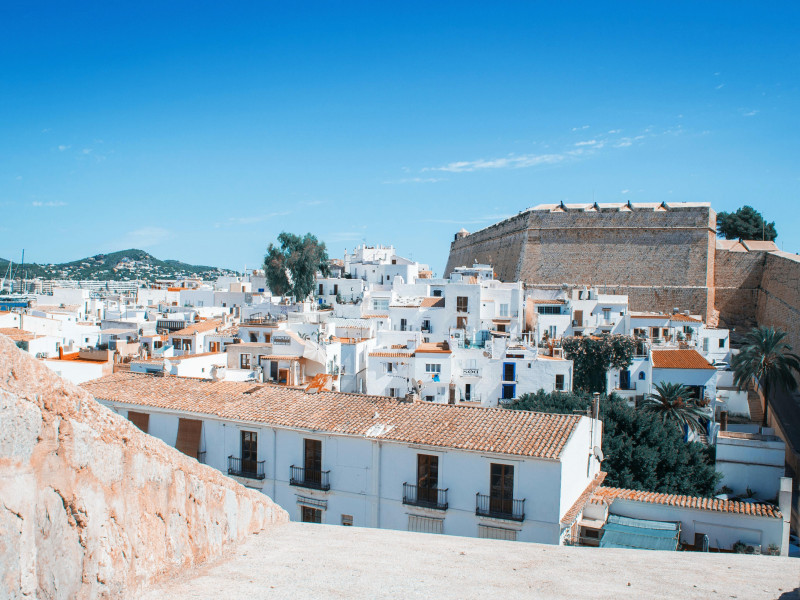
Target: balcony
point(499, 508)
point(470, 372)
point(435, 498)
point(630, 387)
point(310, 478)
point(252, 469)
point(577, 323)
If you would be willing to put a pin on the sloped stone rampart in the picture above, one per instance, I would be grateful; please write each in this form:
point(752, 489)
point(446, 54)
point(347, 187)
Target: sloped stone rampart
point(91, 507)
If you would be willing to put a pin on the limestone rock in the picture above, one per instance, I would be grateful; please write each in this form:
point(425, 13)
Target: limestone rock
point(91, 507)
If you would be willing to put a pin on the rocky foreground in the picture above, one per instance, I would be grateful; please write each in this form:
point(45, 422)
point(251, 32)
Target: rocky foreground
point(91, 507)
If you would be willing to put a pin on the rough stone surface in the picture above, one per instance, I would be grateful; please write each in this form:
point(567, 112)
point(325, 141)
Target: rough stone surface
point(91, 507)
point(324, 561)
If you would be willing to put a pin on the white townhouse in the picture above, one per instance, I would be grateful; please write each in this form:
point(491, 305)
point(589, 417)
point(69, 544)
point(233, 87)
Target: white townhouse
point(371, 461)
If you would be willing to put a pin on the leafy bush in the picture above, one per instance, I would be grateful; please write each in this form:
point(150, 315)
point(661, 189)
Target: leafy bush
point(641, 452)
point(594, 356)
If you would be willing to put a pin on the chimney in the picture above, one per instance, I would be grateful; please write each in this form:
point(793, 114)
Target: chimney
point(596, 405)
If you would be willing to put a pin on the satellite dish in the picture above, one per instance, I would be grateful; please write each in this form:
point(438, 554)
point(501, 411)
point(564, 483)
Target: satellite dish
point(598, 454)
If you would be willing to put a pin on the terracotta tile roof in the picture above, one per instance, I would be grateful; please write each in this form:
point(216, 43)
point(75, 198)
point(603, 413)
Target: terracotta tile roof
point(231, 331)
point(433, 302)
point(17, 335)
point(576, 508)
point(431, 348)
point(198, 327)
point(679, 359)
point(609, 494)
point(684, 318)
point(649, 316)
point(374, 316)
point(391, 354)
point(547, 301)
point(497, 430)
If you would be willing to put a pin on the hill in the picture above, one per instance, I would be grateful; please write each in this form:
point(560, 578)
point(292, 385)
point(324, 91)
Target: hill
point(124, 264)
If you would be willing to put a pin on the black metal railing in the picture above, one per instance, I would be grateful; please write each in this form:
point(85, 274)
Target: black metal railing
point(424, 496)
point(499, 508)
point(310, 478)
point(252, 469)
point(201, 457)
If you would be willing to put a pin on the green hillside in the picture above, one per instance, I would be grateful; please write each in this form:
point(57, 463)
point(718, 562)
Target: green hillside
point(125, 264)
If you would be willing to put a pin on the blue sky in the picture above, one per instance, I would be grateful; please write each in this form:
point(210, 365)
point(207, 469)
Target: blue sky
point(199, 131)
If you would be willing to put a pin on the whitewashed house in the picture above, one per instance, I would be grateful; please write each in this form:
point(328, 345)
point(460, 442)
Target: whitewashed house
point(370, 461)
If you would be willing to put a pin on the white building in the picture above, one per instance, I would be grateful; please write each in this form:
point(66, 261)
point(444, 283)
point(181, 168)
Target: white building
point(373, 461)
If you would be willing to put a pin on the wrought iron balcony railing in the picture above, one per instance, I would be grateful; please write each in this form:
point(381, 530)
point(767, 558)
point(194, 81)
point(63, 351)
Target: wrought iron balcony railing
point(415, 495)
point(310, 478)
point(252, 469)
point(499, 508)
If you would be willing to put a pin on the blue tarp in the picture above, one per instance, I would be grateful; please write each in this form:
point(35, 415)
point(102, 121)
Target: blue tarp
point(625, 532)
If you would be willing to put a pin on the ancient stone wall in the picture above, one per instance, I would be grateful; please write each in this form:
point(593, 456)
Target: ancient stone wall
point(669, 249)
point(91, 507)
point(779, 295)
point(737, 279)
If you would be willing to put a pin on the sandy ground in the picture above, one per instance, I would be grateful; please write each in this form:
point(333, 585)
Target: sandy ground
point(300, 560)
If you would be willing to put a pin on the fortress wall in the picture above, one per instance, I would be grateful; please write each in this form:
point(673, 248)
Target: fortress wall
point(779, 296)
point(737, 278)
point(91, 507)
point(662, 258)
point(500, 245)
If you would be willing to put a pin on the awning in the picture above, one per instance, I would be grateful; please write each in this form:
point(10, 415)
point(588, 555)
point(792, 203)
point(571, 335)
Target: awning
point(626, 532)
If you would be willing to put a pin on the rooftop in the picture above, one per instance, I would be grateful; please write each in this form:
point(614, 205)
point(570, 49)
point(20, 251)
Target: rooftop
point(199, 327)
point(609, 494)
point(497, 430)
point(17, 335)
point(680, 359)
point(304, 560)
point(433, 348)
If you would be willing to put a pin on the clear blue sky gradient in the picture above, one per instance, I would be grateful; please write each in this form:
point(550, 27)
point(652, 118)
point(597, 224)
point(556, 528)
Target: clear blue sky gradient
point(199, 131)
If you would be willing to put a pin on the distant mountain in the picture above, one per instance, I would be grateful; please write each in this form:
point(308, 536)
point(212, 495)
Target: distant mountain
point(125, 264)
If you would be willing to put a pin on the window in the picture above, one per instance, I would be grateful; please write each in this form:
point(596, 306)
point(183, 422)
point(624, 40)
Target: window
point(721, 342)
point(244, 361)
point(389, 367)
point(504, 310)
point(141, 420)
point(433, 368)
point(437, 293)
point(393, 392)
point(347, 520)
point(425, 524)
point(509, 372)
point(501, 327)
point(403, 324)
point(509, 391)
point(311, 515)
point(560, 383)
point(687, 329)
point(427, 478)
point(641, 375)
point(462, 304)
point(320, 289)
point(705, 344)
point(552, 332)
point(496, 533)
point(548, 310)
point(501, 488)
point(380, 304)
point(312, 460)
point(253, 337)
point(430, 398)
point(606, 314)
point(461, 322)
point(249, 451)
point(335, 288)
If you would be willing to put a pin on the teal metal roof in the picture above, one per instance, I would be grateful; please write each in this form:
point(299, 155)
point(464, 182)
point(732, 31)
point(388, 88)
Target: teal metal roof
point(626, 532)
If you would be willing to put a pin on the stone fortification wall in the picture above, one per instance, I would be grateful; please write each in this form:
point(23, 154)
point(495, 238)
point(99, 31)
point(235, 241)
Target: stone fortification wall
point(737, 279)
point(669, 248)
point(91, 507)
point(779, 295)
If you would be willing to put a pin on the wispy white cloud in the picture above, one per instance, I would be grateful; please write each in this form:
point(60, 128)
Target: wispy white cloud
point(750, 113)
point(416, 180)
point(613, 131)
point(312, 202)
point(51, 204)
point(624, 191)
point(508, 162)
point(587, 143)
point(581, 128)
point(63, 147)
point(719, 87)
point(86, 151)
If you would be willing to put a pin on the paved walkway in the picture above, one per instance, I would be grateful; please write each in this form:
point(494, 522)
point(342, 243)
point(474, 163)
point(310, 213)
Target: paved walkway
point(321, 561)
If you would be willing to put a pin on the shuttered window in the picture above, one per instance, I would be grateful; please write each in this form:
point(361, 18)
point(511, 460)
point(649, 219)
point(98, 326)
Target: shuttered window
point(188, 441)
point(496, 533)
point(425, 524)
point(141, 420)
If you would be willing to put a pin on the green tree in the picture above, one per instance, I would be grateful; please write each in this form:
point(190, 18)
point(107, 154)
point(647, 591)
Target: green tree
point(641, 452)
point(592, 357)
point(291, 267)
point(673, 402)
point(766, 356)
point(747, 224)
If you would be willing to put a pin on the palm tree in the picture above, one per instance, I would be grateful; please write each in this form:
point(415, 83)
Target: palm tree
point(674, 402)
point(767, 357)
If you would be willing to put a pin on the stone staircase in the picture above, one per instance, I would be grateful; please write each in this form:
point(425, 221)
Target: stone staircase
point(754, 402)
